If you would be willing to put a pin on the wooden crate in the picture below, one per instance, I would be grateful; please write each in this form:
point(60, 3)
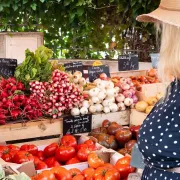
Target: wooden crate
point(14, 44)
point(45, 128)
point(136, 117)
point(149, 90)
point(129, 73)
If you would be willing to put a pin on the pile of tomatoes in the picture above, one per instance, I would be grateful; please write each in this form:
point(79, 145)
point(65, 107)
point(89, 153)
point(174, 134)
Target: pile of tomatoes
point(54, 155)
point(98, 170)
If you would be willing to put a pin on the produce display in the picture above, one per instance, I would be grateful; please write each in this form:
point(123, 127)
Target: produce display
point(58, 95)
point(108, 96)
point(98, 170)
point(150, 78)
point(114, 136)
point(147, 105)
point(53, 155)
point(15, 104)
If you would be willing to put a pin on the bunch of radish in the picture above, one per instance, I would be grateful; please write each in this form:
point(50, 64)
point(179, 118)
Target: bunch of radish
point(108, 97)
point(14, 104)
point(58, 96)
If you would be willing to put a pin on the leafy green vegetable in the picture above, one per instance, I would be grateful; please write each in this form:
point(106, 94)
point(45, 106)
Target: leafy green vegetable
point(2, 173)
point(35, 66)
point(21, 176)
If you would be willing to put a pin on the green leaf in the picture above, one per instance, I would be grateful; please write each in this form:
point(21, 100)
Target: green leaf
point(66, 2)
point(42, 1)
point(25, 1)
point(33, 6)
point(54, 111)
point(80, 11)
point(1, 8)
point(27, 77)
point(34, 71)
point(15, 7)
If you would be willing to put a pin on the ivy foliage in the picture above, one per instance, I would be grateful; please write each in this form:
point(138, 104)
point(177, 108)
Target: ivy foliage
point(80, 28)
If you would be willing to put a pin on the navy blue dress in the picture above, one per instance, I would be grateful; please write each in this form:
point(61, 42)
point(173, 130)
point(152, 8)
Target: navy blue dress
point(159, 138)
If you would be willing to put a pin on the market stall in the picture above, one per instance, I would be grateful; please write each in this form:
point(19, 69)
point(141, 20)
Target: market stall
point(46, 101)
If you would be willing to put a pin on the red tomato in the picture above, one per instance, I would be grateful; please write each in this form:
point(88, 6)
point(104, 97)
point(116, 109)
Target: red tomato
point(41, 165)
point(51, 162)
point(31, 148)
point(82, 154)
point(104, 173)
point(45, 175)
point(61, 173)
point(9, 155)
point(68, 140)
point(3, 149)
point(65, 153)
point(22, 156)
point(94, 160)
point(73, 160)
point(74, 172)
point(78, 177)
point(50, 150)
point(89, 142)
point(40, 155)
point(13, 147)
point(88, 173)
point(79, 146)
point(123, 166)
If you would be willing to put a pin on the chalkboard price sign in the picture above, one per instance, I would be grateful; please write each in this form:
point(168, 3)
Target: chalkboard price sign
point(128, 62)
point(7, 67)
point(74, 66)
point(95, 71)
point(77, 124)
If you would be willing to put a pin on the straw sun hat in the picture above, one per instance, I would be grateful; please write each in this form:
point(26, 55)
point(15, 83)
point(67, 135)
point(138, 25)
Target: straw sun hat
point(167, 12)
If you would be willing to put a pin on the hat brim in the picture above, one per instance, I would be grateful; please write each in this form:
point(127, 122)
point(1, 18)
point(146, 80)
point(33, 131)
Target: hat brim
point(166, 16)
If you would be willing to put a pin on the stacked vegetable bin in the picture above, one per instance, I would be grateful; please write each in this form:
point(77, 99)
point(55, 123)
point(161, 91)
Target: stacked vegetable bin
point(33, 104)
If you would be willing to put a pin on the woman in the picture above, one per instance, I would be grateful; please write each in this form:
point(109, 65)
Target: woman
point(159, 137)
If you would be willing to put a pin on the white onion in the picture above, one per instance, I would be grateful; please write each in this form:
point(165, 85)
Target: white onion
point(101, 95)
point(101, 85)
point(75, 112)
point(84, 110)
point(110, 99)
point(128, 101)
point(109, 85)
point(92, 109)
point(105, 103)
point(110, 92)
point(99, 107)
point(95, 99)
point(94, 92)
point(86, 104)
point(106, 110)
point(113, 107)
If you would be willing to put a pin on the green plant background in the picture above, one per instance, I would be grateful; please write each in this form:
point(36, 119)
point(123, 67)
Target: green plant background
point(83, 28)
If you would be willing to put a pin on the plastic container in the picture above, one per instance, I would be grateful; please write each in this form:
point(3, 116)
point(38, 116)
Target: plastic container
point(154, 59)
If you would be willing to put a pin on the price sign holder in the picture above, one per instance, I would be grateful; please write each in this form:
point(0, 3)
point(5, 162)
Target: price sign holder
point(77, 124)
point(74, 66)
point(128, 62)
point(95, 71)
point(7, 67)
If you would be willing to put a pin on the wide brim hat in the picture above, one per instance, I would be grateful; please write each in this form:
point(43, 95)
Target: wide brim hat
point(167, 12)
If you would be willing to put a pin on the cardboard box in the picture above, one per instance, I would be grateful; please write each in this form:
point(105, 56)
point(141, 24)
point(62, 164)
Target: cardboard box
point(149, 90)
point(136, 117)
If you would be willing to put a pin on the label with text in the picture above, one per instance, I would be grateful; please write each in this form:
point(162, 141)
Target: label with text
point(128, 62)
point(74, 66)
point(95, 71)
point(7, 67)
point(77, 124)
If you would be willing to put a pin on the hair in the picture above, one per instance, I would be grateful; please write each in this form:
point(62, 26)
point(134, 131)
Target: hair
point(169, 63)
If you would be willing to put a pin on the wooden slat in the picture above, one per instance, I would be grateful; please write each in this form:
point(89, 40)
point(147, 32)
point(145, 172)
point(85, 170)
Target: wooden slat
point(41, 142)
point(30, 130)
point(45, 127)
point(129, 73)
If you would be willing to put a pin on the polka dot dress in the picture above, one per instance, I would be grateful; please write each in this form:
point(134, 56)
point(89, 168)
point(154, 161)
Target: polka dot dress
point(159, 138)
